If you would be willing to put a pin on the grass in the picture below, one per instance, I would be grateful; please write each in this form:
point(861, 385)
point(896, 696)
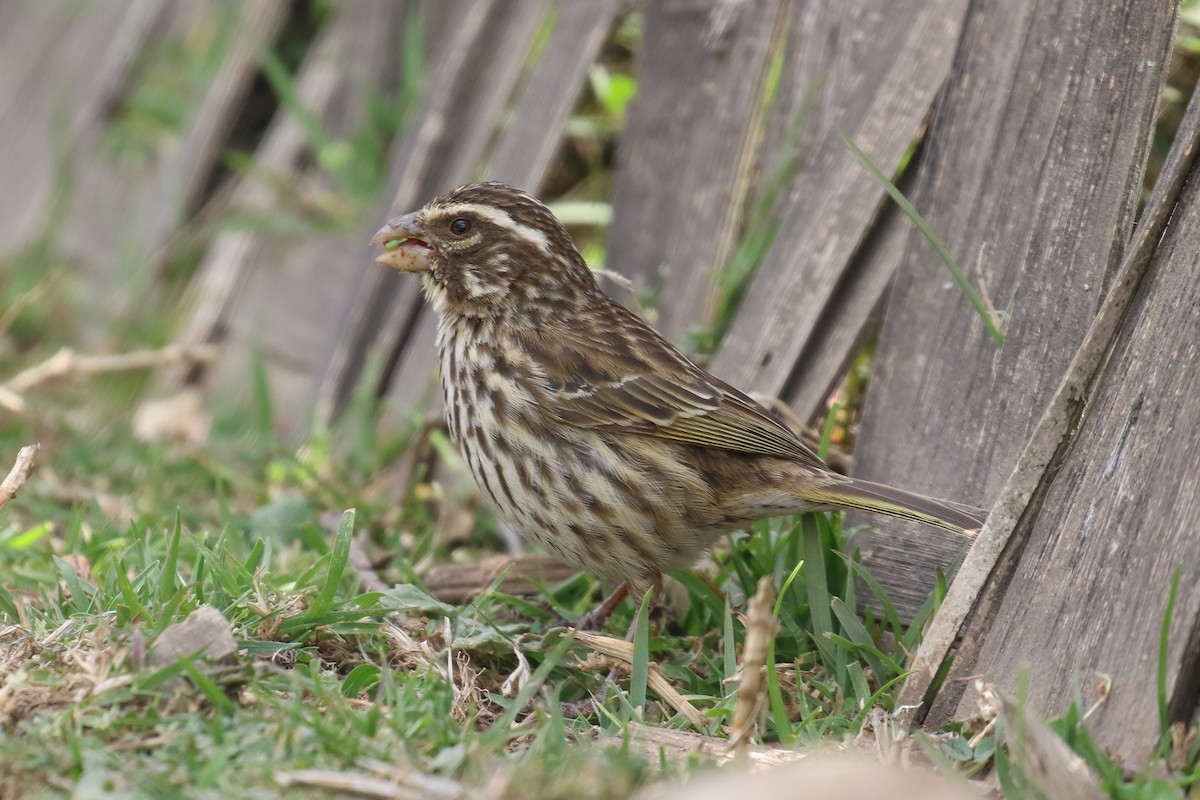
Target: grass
point(115, 541)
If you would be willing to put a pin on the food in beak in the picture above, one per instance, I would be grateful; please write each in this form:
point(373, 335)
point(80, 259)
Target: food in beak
point(404, 245)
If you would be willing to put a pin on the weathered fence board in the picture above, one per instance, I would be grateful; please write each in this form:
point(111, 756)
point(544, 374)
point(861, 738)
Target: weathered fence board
point(527, 146)
point(968, 611)
point(522, 155)
point(260, 293)
point(468, 85)
point(878, 89)
point(856, 313)
point(60, 65)
point(683, 177)
point(395, 324)
point(123, 212)
point(1090, 591)
point(1032, 182)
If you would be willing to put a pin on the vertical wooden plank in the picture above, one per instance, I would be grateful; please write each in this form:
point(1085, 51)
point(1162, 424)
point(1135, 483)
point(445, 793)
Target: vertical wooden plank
point(60, 63)
point(522, 156)
point(967, 612)
point(1032, 179)
point(1090, 591)
point(123, 213)
point(528, 145)
point(685, 157)
point(468, 90)
point(844, 325)
point(872, 69)
point(260, 293)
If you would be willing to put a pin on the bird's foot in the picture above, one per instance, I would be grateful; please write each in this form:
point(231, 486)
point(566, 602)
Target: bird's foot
point(597, 617)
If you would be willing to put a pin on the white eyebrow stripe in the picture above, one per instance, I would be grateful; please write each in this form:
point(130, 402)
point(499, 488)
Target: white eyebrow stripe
point(499, 218)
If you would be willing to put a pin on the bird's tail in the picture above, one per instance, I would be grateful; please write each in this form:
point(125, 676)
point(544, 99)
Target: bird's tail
point(868, 496)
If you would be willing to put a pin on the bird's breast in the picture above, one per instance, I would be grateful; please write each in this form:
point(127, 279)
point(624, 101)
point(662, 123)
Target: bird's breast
point(617, 503)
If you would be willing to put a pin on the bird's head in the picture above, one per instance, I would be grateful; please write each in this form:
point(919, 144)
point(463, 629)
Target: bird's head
point(486, 248)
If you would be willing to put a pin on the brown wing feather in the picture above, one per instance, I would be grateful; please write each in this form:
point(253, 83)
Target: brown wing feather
point(631, 379)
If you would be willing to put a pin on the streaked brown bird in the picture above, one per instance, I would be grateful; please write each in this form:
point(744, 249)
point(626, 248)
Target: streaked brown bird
point(590, 432)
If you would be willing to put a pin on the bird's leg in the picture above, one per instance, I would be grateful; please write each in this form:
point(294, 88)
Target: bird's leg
point(586, 706)
point(602, 612)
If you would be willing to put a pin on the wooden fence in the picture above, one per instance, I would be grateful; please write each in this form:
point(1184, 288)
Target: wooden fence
point(1032, 123)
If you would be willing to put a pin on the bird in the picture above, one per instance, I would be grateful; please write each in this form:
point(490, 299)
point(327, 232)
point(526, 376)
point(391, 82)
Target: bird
point(589, 432)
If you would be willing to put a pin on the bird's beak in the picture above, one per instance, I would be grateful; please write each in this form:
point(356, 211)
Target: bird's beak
point(405, 244)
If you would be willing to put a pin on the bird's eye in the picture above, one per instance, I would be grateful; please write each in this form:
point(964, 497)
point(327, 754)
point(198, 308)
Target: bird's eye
point(460, 226)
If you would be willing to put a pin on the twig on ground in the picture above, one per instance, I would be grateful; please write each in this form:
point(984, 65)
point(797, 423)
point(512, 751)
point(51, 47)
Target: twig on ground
point(19, 473)
point(520, 575)
point(356, 783)
point(680, 746)
point(66, 363)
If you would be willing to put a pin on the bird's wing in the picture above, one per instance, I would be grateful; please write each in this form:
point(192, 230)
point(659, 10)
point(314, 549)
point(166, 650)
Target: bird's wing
point(630, 379)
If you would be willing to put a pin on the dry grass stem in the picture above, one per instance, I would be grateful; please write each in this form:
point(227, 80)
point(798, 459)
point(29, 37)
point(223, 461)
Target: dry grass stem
point(760, 630)
point(622, 651)
point(20, 472)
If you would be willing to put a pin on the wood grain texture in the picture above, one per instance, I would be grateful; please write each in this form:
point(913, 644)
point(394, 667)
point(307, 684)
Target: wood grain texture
point(1032, 180)
point(857, 313)
point(872, 69)
point(968, 610)
point(531, 139)
point(684, 158)
point(1090, 591)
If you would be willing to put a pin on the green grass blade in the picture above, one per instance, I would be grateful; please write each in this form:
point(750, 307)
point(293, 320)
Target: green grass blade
point(337, 565)
point(730, 648)
point(7, 604)
point(210, 690)
point(639, 671)
point(1164, 721)
point(857, 633)
point(82, 594)
point(817, 585)
point(827, 431)
point(911, 212)
point(166, 587)
point(783, 726)
point(129, 595)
